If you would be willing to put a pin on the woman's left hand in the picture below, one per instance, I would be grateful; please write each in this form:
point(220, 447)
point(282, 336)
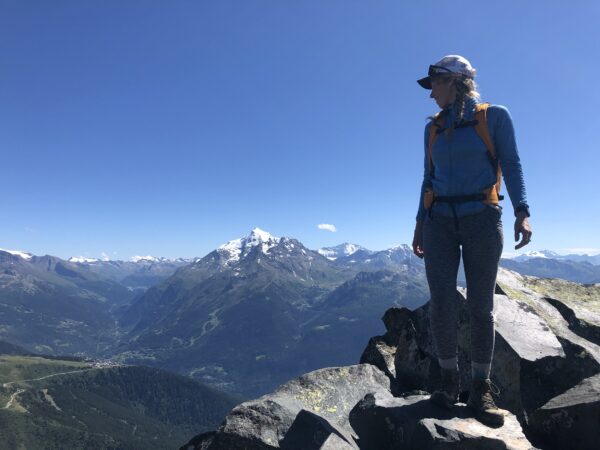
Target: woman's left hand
point(522, 227)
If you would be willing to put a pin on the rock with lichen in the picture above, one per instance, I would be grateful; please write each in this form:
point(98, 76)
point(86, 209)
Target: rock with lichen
point(330, 393)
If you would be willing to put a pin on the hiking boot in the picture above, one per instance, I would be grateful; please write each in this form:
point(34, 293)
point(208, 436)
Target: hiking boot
point(447, 394)
point(482, 403)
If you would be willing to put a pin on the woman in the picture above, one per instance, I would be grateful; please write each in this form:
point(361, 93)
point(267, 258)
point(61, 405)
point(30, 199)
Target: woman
point(468, 145)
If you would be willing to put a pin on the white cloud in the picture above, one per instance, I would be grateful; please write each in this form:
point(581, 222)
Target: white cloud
point(327, 226)
point(104, 256)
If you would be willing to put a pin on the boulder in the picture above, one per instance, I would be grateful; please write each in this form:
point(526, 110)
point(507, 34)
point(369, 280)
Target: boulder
point(582, 322)
point(536, 355)
point(385, 422)
point(313, 432)
point(381, 354)
point(200, 442)
point(539, 370)
point(571, 419)
point(406, 373)
point(330, 393)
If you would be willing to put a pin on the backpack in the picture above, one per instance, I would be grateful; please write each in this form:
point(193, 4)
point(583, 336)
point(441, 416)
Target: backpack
point(490, 195)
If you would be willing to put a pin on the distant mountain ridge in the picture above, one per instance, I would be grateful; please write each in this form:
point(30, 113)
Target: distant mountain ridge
point(178, 314)
point(246, 316)
point(138, 274)
point(549, 254)
point(332, 253)
point(548, 264)
point(49, 305)
point(345, 249)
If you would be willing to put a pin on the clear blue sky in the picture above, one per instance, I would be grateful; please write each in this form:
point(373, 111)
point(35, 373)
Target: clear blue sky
point(169, 127)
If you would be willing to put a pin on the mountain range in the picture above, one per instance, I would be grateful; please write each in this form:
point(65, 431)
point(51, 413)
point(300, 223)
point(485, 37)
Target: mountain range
point(240, 321)
point(547, 264)
point(250, 314)
point(549, 254)
point(247, 315)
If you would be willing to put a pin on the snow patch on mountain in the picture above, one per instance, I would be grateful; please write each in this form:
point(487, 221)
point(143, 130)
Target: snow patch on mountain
point(547, 254)
point(236, 249)
point(148, 258)
point(403, 247)
point(345, 249)
point(26, 256)
point(82, 259)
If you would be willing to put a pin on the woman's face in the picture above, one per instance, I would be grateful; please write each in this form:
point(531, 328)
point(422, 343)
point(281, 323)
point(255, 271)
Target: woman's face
point(443, 91)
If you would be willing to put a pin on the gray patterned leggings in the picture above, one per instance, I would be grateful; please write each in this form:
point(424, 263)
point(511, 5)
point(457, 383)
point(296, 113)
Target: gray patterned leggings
point(481, 239)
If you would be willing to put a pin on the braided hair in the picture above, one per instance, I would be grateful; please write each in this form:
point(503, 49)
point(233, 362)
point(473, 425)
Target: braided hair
point(465, 88)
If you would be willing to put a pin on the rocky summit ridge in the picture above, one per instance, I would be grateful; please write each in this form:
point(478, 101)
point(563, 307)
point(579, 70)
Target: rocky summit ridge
point(546, 365)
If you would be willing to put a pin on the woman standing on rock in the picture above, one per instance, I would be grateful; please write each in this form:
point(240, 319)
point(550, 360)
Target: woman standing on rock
point(469, 146)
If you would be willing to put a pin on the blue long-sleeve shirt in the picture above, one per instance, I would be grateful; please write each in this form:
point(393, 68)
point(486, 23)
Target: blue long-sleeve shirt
point(462, 165)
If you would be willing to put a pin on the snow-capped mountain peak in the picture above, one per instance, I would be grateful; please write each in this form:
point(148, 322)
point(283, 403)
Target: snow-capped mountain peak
point(260, 235)
point(26, 256)
point(147, 258)
point(402, 247)
point(345, 249)
point(82, 259)
point(236, 249)
point(548, 254)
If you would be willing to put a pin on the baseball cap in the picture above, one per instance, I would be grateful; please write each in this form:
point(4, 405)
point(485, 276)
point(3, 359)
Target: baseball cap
point(448, 64)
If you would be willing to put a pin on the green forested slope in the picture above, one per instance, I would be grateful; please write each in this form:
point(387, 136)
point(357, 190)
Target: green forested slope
point(126, 407)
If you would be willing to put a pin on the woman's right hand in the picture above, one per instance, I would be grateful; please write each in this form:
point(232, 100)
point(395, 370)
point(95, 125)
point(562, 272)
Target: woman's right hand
point(417, 243)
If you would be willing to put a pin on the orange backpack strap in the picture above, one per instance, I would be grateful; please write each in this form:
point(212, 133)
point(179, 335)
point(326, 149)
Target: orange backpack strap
point(436, 123)
point(482, 130)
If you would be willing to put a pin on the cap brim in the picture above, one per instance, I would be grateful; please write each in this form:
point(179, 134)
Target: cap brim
point(425, 82)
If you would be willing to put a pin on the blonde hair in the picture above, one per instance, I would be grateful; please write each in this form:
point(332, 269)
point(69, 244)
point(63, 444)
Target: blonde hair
point(465, 88)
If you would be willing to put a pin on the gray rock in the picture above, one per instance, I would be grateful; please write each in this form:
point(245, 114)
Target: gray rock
point(469, 434)
point(572, 419)
point(415, 361)
point(528, 364)
point(582, 322)
point(394, 320)
point(384, 422)
point(330, 393)
point(535, 357)
point(200, 442)
point(334, 442)
point(313, 432)
point(410, 361)
point(380, 354)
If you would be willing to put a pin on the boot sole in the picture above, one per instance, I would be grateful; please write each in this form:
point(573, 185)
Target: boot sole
point(492, 420)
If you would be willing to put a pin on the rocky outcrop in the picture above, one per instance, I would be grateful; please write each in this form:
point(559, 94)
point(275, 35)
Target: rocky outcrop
point(537, 355)
point(351, 408)
point(546, 365)
point(571, 419)
point(386, 422)
point(329, 393)
point(541, 348)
